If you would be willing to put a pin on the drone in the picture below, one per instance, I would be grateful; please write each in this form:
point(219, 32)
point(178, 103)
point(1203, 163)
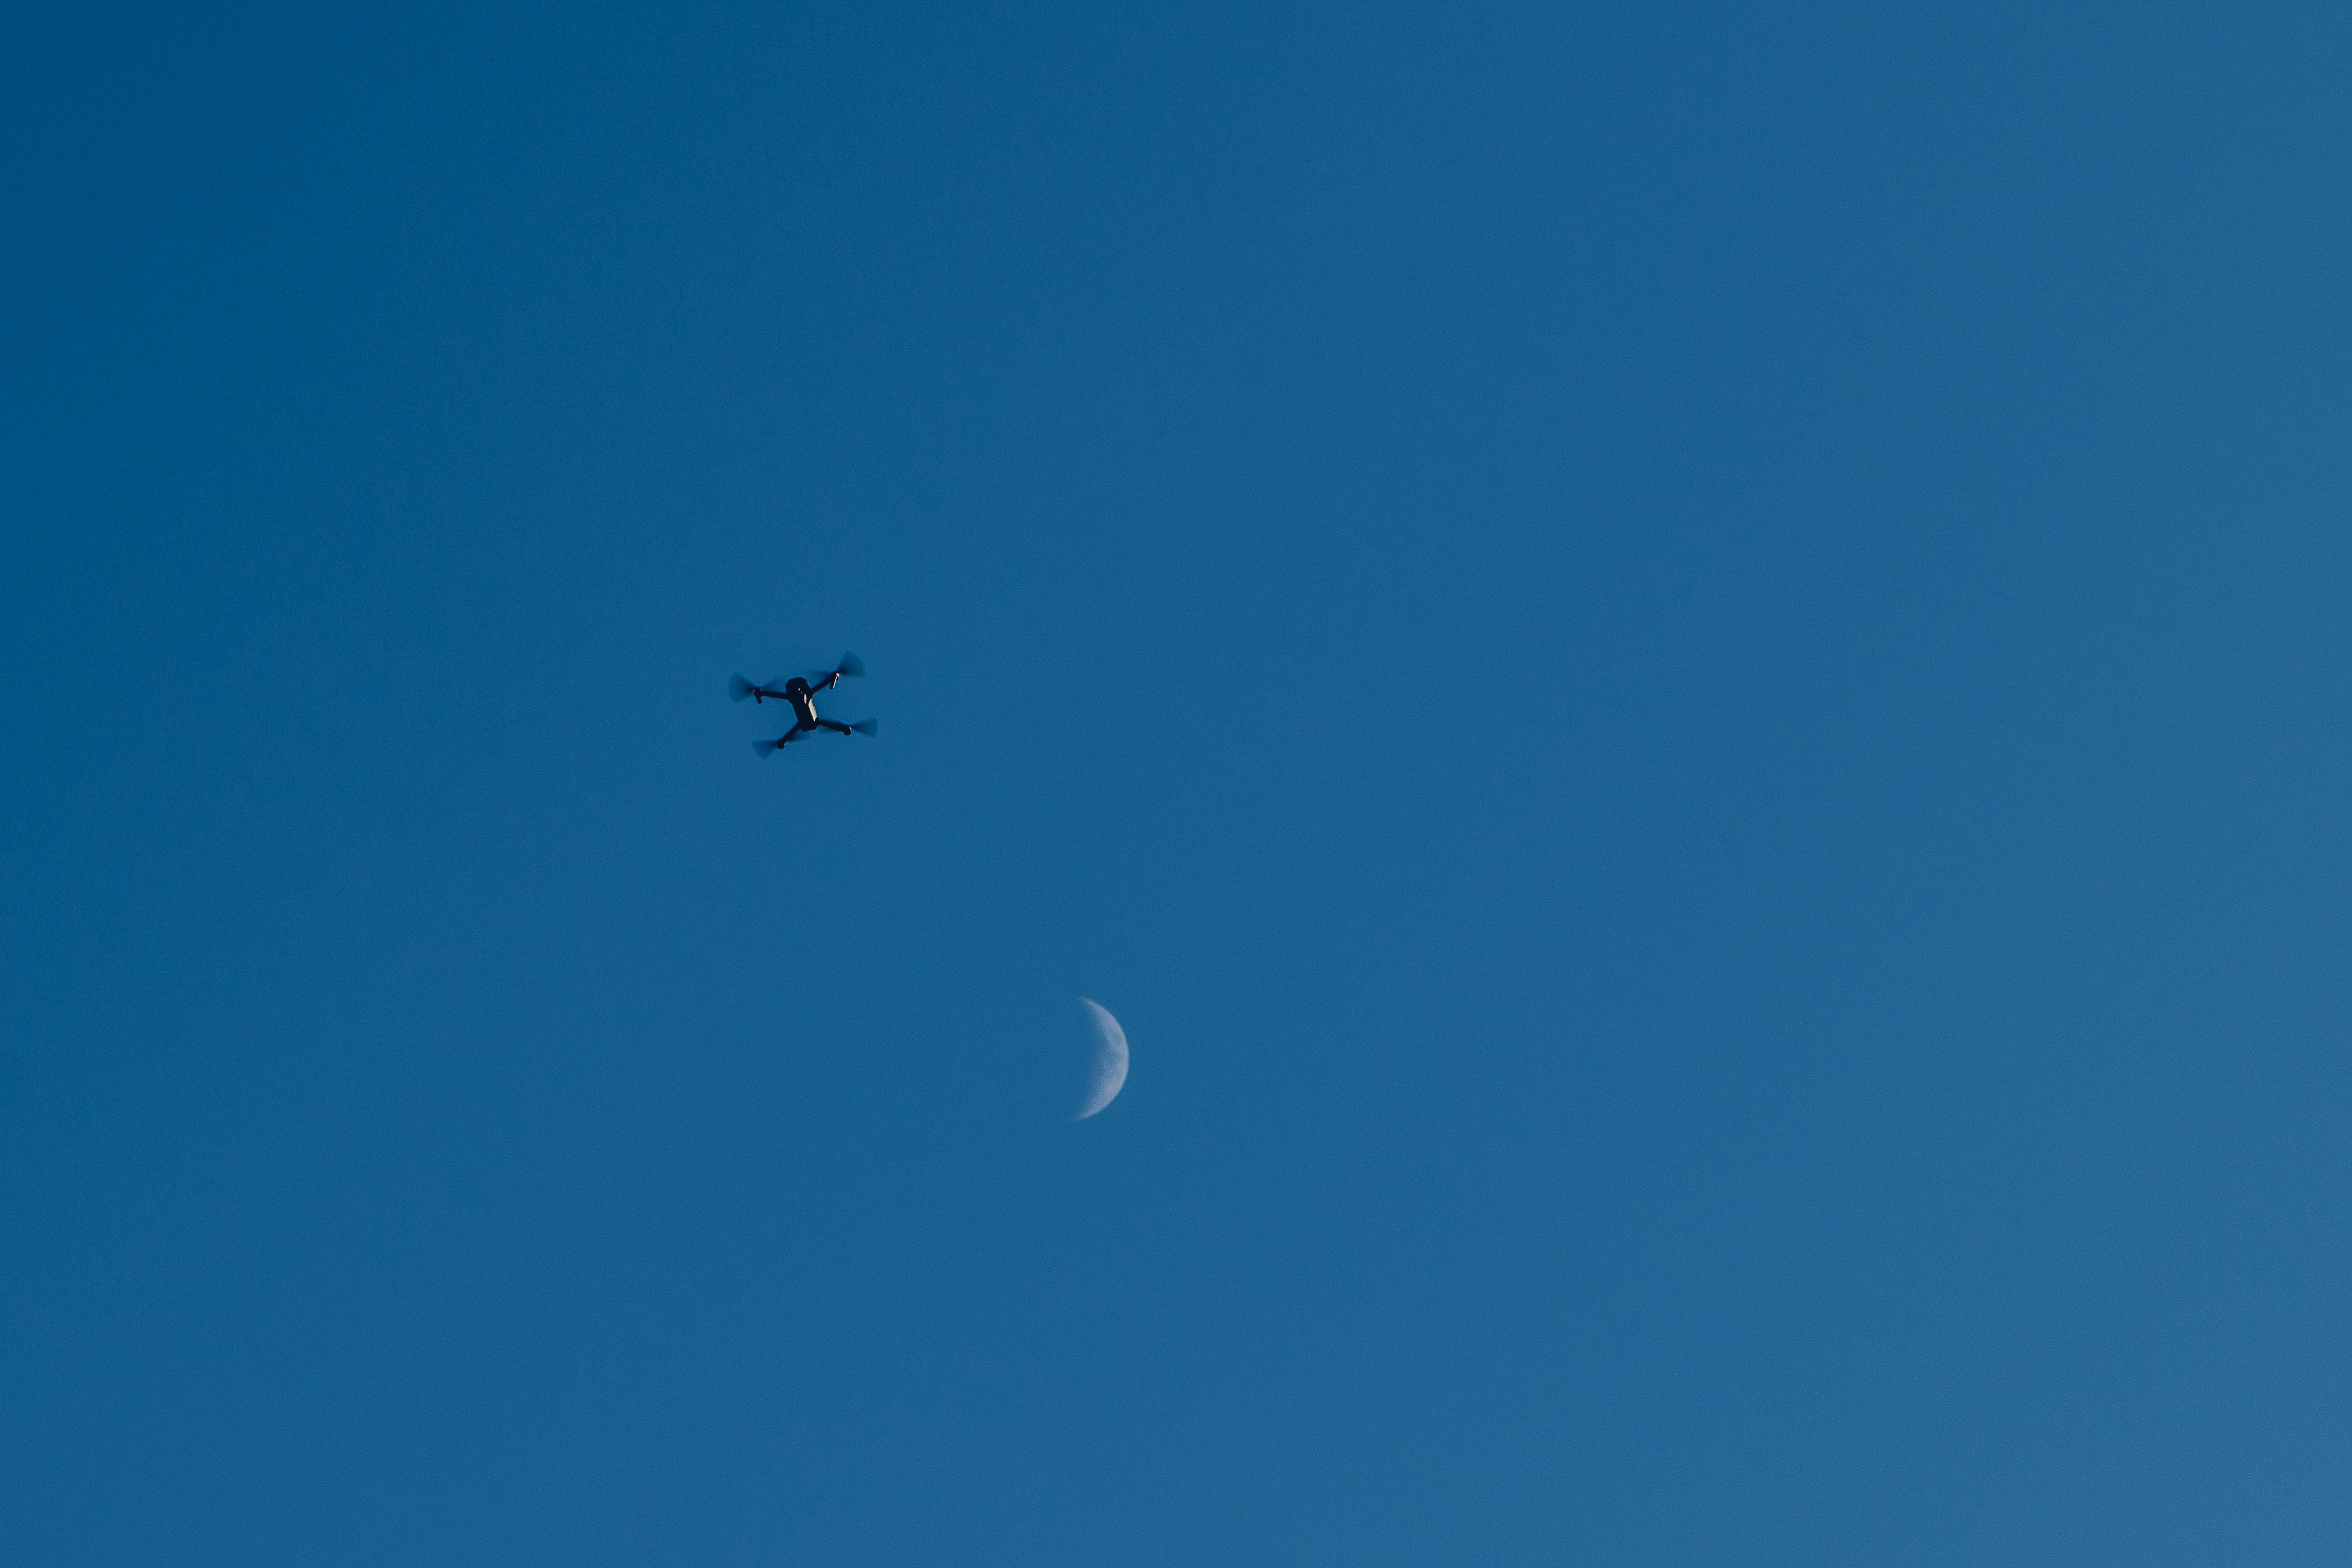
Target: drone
point(801, 693)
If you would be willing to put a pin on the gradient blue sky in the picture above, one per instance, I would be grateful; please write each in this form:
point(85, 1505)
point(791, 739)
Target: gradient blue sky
point(1683, 667)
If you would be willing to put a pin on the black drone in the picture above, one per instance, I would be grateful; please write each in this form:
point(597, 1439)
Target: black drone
point(801, 693)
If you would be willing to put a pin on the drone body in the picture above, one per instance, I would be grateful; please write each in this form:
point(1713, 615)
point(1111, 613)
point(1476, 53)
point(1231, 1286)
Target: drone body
point(800, 693)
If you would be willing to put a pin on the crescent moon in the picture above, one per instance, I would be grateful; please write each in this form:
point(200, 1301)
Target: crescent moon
point(1110, 1060)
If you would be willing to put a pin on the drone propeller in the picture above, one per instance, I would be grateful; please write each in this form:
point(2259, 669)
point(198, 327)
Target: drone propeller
point(851, 664)
point(765, 747)
point(867, 726)
point(773, 691)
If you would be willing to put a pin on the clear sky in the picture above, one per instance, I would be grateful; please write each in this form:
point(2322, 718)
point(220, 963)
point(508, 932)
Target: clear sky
point(1681, 667)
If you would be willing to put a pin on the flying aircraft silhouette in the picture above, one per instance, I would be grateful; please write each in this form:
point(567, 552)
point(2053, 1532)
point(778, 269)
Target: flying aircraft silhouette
point(801, 693)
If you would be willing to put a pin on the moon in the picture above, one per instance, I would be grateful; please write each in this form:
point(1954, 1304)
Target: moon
point(1110, 1060)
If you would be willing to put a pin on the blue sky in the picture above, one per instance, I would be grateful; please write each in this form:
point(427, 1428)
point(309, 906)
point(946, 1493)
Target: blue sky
point(1682, 668)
